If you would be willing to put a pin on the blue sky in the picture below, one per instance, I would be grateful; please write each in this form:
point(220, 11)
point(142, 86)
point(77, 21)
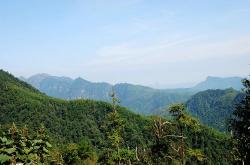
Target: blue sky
point(158, 43)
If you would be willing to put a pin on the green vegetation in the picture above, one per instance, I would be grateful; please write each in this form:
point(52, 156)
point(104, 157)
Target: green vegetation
point(240, 125)
point(214, 107)
point(91, 132)
point(17, 146)
point(140, 99)
point(183, 120)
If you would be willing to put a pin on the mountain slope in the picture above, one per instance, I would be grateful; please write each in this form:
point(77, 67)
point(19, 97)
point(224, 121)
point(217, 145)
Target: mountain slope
point(213, 107)
point(66, 121)
point(140, 99)
point(81, 88)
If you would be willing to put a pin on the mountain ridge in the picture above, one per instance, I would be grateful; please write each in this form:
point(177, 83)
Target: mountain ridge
point(231, 81)
point(213, 82)
point(140, 99)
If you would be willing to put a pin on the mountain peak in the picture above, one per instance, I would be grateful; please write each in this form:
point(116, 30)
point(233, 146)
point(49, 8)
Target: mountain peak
point(81, 80)
point(41, 75)
point(222, 78)
point(212, 78)
point(213, 82)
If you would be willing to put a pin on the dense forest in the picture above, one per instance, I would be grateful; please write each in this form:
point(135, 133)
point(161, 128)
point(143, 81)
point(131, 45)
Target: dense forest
point(36, 128)
point(214, 107)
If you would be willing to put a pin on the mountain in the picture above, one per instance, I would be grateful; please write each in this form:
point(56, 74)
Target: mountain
point(51, 85)
point(81, 88)
point(219, 83)
point(140, 99)
point(214, 107)
point(77, 120)
point(66, 121)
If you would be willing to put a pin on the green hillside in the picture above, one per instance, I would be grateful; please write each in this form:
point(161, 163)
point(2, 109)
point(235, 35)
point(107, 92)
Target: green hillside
point(213, 107)
point(68, 121)
point(148, 101)
point(140, 99)
point(73, 121)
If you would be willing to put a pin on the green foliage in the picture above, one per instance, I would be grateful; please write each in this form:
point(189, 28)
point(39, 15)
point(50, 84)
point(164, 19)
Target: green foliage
point(196, 154)
point(18, 147)
point(213, 107)
point(178, 111)
point(140, 99)
point(79, 153)
point(69, 122)
point(196, 143)
point(240, 124)
point(161, 128)
point(66, 121)
point(114, 128)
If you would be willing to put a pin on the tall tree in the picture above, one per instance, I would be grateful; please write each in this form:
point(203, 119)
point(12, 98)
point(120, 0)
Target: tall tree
point(177, 111)
point(114, 127)
point(240, 124)
point(183, 121)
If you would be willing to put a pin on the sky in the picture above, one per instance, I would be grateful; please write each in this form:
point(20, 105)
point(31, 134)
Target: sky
point(160, 43)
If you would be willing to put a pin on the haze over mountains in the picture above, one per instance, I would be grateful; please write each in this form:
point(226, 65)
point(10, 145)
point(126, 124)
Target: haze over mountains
point(219, 83)
point(140, 99)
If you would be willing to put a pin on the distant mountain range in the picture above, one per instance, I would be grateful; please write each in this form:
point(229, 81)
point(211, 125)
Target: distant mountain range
point(140, 99)
point(219, 83)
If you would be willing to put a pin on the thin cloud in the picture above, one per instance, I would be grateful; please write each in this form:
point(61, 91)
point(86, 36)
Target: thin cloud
point(188, 49)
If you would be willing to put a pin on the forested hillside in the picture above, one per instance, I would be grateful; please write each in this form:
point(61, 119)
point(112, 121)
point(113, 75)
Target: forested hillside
point(214, 107)
point(70, 122)
point(140, 99)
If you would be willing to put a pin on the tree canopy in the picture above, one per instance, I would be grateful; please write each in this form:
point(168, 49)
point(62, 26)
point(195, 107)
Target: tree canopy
point(240, 124)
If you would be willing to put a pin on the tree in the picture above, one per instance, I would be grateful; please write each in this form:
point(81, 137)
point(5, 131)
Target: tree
point(161, 129)
point(177, 111)
point(183, 121)
point(82, 153)
point(114, 128)
point(240, 124)
point(41, 144)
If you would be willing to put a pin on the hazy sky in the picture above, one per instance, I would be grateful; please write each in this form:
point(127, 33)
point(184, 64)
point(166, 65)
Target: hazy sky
point(137, 41)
